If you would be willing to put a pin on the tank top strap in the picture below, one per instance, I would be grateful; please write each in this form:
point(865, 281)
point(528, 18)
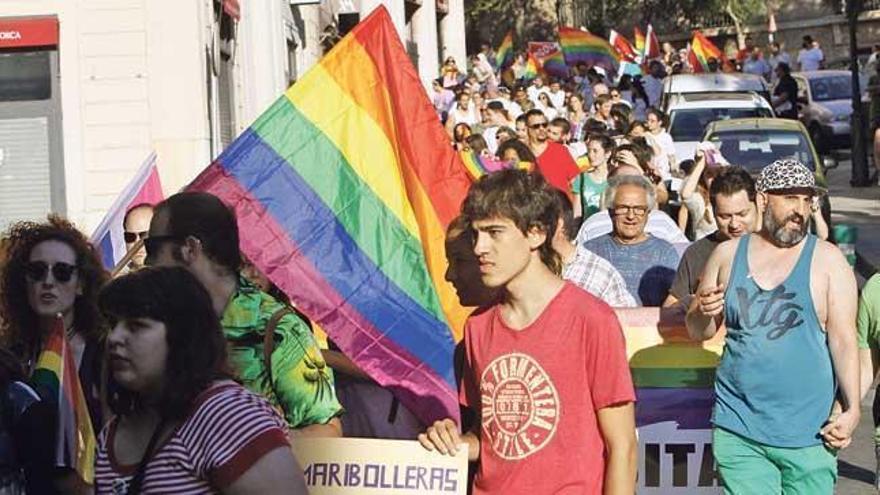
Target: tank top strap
point(740, 267)
point(802, 268)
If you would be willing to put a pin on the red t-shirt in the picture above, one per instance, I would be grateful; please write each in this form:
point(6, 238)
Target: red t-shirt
point(538, 390)
point(557, 166)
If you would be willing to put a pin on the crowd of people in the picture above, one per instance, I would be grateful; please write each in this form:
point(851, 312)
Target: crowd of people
point(198, 373)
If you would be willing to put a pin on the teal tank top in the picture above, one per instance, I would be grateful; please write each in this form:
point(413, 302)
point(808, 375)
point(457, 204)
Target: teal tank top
point(775, 384)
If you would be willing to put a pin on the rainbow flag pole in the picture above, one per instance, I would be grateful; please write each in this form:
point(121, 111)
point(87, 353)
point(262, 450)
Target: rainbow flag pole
point(343, 190)
point(504, 54)
point(581, 46)
point(56, 378)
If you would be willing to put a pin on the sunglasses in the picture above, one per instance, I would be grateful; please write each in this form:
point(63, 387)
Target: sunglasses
point(131, 237)
point(154, 242)
point(538, 125)
point(38, 270)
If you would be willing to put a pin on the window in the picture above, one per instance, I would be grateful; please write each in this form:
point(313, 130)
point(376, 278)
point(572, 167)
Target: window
point(753, 149)
point(26, 76)
point(690, 124)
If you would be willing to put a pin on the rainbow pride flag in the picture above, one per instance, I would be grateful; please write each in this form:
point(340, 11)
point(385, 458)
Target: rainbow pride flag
point(532, 69)
point(701, 51)
point(478, 166)
point(554, 65)
point(343, 189)
point(673, 375)
point(639, 41)
point(580, 46)
point(504, 54)
point(55, 377)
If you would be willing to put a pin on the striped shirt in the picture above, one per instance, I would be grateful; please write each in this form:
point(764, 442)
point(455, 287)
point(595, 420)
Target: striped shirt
point(228, 430)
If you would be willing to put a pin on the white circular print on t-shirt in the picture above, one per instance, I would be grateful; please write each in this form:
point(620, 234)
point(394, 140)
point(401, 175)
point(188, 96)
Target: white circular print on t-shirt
point(520, 406)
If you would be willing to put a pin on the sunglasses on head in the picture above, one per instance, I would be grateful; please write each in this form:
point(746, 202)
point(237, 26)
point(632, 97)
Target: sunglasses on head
point(61, 272)
point(131, 237)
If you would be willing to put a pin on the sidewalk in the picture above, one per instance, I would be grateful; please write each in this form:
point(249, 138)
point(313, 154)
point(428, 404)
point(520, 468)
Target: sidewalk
point(859, 206)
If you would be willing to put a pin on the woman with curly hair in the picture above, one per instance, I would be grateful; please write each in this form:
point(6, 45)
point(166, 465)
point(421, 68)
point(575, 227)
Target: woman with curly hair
point(180, 420)
point(49, 270)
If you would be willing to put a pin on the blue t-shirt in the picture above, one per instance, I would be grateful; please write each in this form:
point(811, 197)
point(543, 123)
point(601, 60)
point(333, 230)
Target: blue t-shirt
point(647, 267)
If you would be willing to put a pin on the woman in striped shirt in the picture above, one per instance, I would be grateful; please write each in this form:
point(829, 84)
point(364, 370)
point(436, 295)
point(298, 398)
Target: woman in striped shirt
point(181, 425)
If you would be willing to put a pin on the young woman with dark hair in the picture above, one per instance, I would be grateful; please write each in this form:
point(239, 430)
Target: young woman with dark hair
point(49, 270)
point(180, 420)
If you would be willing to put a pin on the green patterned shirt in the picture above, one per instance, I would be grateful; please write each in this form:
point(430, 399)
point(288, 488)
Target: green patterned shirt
point(303, 383)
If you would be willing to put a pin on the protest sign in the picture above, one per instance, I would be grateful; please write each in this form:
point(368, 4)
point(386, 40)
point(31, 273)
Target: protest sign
point(343, 466)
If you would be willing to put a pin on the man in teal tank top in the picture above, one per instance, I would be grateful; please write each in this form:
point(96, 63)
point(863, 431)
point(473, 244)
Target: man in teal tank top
point(788, 301)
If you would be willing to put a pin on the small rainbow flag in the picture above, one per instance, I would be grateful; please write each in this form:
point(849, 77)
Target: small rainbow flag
point(580, 46)
point(504, 54)
point(532, 68)
point(343, 189)
point(478, 166)
point(639, 38)
point(55, 377)
point(554, 65)
point(701, 51)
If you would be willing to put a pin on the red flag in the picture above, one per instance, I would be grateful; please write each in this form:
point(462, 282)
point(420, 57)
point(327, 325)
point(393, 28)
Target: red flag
point(622, 46)
point(652, 45)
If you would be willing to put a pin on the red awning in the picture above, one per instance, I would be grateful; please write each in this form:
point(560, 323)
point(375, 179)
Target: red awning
point(17, 32)
point(232, 8)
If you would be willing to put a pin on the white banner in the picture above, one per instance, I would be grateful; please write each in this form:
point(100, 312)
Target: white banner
point(348, 466)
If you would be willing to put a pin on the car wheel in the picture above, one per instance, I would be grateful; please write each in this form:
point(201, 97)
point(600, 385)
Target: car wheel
point(818, 139)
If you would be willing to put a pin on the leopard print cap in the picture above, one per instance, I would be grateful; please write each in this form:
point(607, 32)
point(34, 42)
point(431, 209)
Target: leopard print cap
point(787, 173)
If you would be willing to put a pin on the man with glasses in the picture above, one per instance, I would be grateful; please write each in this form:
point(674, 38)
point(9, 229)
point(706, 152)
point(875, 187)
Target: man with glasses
point(136, 224)
point(553, 159)
point(647, 263)
point(197, 231)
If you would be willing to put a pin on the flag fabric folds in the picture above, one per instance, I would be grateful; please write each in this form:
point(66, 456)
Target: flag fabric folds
point(532, 68)
point(580, 46)
point(625, 50)
point(639, 41)
point(343, 189)
point(144, 188)
point(701, 51)
point(652, 44)
point(554, 65)
point(504, 54)
point(55, 377)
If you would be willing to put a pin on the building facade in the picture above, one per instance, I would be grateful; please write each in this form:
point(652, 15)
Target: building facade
point(89, 88)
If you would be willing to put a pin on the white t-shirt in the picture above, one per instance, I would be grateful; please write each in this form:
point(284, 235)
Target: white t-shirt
point(810, 59)
point(557, 98)
point(533, 93)
point(667, 148)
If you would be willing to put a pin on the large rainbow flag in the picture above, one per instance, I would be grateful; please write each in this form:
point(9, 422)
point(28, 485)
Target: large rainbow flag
point(504, 54)
point(701, 51)
point(673, 375)
point(580, 46)
point(343, 189)
point(55, 377)
point(554, 65)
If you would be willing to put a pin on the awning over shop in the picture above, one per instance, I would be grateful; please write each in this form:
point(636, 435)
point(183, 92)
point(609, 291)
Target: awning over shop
point(17, 32)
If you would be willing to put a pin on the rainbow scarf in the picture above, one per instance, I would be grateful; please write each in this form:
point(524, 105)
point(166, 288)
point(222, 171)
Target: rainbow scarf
point(55, 376)
point(701, 51)
point(343, 189)
point(580, 46)
point(504, 54)
point(554, 65)
point(532, 68)
point(478, 166)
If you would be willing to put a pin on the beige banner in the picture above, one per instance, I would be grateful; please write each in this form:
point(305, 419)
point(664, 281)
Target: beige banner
point(348, 466)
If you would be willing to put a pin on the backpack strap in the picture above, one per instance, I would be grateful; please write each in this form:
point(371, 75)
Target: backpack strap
point(269, 339)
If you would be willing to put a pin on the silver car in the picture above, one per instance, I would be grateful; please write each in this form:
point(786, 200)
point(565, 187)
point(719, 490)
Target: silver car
point(825, 107)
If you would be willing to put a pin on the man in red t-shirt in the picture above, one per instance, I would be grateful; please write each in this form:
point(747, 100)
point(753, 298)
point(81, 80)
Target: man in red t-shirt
point(545, 368)
point(554, 161)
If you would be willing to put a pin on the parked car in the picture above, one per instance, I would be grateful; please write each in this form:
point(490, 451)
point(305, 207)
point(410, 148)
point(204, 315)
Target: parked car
point(721, 82)
point(690, 113)
point(825, 107)
point(755, 143)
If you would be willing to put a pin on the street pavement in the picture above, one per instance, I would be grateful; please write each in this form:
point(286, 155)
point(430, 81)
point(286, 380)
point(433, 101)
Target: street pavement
point(859, 207)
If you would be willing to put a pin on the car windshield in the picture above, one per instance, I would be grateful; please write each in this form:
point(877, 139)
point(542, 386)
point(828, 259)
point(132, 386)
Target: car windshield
point(753, 149)
point(689, 124)
point(831, 88)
